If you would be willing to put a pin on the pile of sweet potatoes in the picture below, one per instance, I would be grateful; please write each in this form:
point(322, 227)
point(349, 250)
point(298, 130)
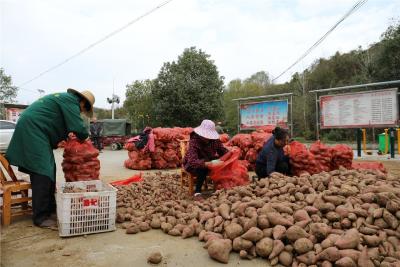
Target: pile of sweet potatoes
point(338, 218)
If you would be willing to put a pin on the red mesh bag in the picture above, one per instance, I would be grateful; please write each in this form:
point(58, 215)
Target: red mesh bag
point(251, 155)
point(229, 173)
point(170, 155)
point(80, 161)
point(369, 166)
point(259, 139)
point(130, 146)
point(266, 128)
point(322, 155)
point(301, 160)
point(224, 138)
point(159, 164)
point(342, 155)
point(241, 140)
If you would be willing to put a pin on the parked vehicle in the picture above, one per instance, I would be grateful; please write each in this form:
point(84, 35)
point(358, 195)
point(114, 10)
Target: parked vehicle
point(115, 132)
point(6, 131)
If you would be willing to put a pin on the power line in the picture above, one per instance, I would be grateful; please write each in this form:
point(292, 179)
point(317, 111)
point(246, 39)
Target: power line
point(97, 42)
point(357, 6)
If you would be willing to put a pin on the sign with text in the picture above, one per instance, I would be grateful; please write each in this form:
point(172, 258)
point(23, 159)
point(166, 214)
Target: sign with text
point(364, 109)
point(253, 115)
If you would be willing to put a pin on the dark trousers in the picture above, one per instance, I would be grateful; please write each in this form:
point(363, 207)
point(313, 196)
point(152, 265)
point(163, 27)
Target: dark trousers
point(281, 167)
point(43, 200)
point(201, 175)
point(97, 142)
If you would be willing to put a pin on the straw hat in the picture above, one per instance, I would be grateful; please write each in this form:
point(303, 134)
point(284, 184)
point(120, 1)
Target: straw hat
point(207, 130)
point(86, 95)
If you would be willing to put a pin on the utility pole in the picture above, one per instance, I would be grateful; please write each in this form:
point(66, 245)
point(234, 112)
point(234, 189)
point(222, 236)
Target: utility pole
point(114, 99)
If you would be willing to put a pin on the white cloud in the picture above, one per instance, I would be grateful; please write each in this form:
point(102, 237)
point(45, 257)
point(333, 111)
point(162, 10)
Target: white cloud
point(242, 37)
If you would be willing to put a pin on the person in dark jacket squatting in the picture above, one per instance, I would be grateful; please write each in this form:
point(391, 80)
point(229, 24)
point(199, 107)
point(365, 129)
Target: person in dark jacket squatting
point(204, 146)
point(272, 158)
point(45, 123)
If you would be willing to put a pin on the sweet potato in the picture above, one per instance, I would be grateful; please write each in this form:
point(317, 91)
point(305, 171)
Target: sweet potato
point(144, 227)
point(394, 241)
point(278, 231)
point(277, 219)
point(301, 215)
point(219, 250)
point(349, 240)
point(268, 232)
point(351, 253)
point(262, 222)
point(282, 207)
point(224, 210)
point(243, 254)
point(155, 258)
point(303, 245)
point(330, 254)
point(211, 235)
point(218, 220)
point(377, 213)
point(155, 223)
point(241, 244)
point(336, 200)
point(308, 258)
point(302, 224)
point(326, 264)
point(363, 259)
point(233, 230)
point(253, 234)
point(274, 261)
point(166, 227)
point(320, 230)
point(330, 240)
point(345, 262)
point(277, 248)
point(202, 234)
point(371, 240)
point(188, 231)
point(252, 222)
point(205, 216)
point(295, 232)
point(285, 258)
point(264, 247)
point(174, 232)
point(390, 219)
point(133, 229)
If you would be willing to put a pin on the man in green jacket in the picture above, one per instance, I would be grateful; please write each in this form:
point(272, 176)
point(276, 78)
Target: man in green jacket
point(44, 124)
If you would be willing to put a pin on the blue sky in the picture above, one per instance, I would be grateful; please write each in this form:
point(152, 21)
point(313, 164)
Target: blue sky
point(242, 37)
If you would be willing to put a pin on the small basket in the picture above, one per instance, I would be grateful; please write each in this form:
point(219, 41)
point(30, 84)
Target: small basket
point(88, 212)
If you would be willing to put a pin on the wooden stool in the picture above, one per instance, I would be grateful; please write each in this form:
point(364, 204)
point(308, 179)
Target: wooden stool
point(14, 194)
point(186, 177)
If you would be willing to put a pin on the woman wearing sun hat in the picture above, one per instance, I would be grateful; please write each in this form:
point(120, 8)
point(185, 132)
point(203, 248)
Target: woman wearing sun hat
point(204, 146)
point(44, 124)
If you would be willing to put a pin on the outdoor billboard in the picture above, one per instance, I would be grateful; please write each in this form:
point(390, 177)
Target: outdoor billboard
point(258, 114)
point(355, 110)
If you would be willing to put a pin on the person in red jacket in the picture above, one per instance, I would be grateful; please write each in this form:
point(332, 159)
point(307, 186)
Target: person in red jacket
point(204, 147)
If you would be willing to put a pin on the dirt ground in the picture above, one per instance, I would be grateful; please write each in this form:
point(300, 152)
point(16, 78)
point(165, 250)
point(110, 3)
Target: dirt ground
point(23, 244)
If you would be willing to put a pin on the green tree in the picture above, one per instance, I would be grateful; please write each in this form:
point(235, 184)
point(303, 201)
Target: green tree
point(188, 91)
point(387, 60)
point(138, 103)
point(8, 92)
point(261, 78)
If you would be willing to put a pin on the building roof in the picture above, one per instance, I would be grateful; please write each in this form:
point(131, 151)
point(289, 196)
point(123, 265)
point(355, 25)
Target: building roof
point(20, 106)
